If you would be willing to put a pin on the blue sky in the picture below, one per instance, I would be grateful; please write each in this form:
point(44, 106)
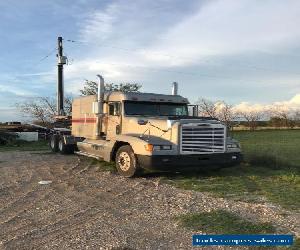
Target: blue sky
point(243, 52)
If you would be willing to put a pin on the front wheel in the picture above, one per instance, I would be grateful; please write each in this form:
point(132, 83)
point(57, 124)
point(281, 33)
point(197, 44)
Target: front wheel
point(126, 162)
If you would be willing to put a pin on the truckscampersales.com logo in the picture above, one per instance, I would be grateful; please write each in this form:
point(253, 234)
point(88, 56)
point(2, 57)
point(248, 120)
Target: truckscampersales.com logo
point(242, 240)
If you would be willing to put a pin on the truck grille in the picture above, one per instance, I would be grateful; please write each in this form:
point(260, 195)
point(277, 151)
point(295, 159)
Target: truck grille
point(203, 138)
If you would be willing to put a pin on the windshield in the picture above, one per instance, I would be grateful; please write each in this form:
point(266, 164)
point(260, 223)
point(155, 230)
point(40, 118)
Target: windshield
point(155, 109)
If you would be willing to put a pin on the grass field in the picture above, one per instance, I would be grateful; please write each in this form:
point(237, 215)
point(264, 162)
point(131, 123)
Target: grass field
point(270, 171)
point(25, 146)
point(223, 222)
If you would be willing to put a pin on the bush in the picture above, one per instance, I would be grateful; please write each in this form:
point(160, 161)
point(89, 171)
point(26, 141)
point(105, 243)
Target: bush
point(7, 138)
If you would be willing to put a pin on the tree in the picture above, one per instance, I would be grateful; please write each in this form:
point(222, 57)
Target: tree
point(225, 113)
point(284, 116)
point(296, 118)
point(275, 122)
point(252, 117)
point(43, 109)
point(91, 87)
point(207, 108)
point(217, 110)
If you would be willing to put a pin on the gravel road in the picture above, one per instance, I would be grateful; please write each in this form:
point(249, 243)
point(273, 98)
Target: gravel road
point(84, 208)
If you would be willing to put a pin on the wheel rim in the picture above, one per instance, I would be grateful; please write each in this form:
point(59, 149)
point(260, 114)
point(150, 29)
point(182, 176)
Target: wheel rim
point(52, 143)
point(60, 145)
point(124, 161)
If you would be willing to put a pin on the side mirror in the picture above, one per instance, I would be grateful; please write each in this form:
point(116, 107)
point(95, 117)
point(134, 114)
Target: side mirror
point(142, 122)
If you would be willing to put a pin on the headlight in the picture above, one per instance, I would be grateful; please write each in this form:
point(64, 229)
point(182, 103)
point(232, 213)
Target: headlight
point(150, 147)
point(162, 147)
point(233, 145)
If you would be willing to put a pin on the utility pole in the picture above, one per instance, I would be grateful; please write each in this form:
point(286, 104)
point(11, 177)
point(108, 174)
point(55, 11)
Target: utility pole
point(60, 79)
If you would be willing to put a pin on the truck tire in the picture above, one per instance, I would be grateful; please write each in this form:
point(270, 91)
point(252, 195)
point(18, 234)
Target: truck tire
point(126, 162)
point(53, 143)
point(65, 148)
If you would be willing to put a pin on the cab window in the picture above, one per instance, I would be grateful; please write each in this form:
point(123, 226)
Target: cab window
point(114, 108)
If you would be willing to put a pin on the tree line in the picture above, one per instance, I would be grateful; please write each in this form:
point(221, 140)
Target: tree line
point(274, 116)
point(43, 109)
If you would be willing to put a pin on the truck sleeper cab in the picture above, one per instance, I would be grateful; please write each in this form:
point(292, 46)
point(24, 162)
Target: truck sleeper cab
point(146, 130)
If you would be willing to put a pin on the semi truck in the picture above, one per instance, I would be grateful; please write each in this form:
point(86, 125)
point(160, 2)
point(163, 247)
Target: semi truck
point(145, 131)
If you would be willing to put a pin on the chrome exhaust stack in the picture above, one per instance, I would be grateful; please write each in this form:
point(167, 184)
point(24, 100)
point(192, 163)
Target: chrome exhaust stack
point(100, 96)
point(175, 88)
point(100, 101)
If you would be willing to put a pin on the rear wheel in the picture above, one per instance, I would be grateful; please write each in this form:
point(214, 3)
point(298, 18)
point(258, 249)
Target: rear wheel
point(65, 148)
point(126, 162)
point(54, 143)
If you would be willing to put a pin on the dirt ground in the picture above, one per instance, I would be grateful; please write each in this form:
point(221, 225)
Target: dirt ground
point(84, 208)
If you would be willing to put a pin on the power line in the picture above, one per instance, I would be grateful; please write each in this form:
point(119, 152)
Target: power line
point(49, 54)
point(37, 74)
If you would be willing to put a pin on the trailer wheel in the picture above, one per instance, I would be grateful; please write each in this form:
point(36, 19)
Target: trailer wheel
point(53, 143)
point(62, 147)
point(126, 162)
point(65, 148)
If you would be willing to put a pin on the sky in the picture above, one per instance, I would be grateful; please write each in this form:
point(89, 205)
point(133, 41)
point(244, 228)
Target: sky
point(244, 52)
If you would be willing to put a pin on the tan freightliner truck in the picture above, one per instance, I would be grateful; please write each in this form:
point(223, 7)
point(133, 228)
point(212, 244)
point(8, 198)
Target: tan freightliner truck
point(145, 130)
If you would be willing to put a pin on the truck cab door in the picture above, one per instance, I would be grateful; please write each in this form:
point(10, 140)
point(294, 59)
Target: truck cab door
point(113, 120)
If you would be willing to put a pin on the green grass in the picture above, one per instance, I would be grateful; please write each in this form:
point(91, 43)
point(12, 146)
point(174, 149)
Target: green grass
point(101, 165)
point(25, 146)
point(223, 222)
point(296, 245)
point(280, 148)
point(270, 172)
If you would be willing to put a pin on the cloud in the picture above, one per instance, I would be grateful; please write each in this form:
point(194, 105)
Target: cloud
point(47, 73)
point(246, 107)
point(289, 106)
point(98, 25)
point(226, 27)
point(121, 34)
point(295, 100)
point(87, 70)
point(9, 114)
point(9, 89)
point(209, 47)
